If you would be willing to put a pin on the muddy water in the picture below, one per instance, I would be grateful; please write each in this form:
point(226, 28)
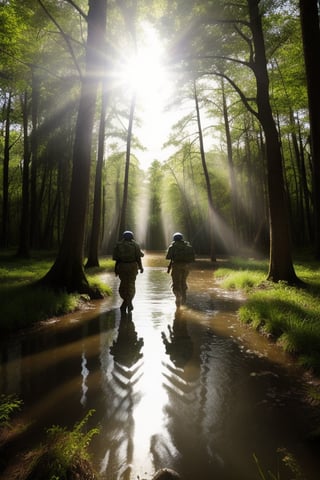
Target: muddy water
point(190, 389)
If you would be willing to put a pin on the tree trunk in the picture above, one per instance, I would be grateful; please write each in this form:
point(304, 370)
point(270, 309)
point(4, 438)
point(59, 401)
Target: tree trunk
point(35, 201)
point(207, 178)
point(280, 263)
point(24, 238)
point(123, 215)
point(307, 199)
point(309, 15)
point(5, 179)
point(232, 177)
point(67, 271)
point(93, 253)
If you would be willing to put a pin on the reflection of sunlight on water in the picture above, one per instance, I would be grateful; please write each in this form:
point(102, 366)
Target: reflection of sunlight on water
point(195, 395)
point(84, 374)
point(149, 415)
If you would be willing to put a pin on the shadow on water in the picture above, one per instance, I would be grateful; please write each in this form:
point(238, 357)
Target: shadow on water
point(190, 389)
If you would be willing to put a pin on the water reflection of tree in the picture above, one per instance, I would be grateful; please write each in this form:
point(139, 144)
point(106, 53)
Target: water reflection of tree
point(178, 344)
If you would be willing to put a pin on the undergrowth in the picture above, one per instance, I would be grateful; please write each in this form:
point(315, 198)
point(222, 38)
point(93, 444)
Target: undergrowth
point(290, 315)
point(286, 461)
point(8, 405)
point(23, 303)
point(64, 454)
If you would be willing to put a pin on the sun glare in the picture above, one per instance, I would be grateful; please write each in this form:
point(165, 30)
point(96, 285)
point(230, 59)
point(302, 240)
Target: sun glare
point(144, 72)
point(145, 75)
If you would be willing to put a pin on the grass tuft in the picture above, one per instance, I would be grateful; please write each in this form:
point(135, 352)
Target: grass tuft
point(24, 303)
point(291, 315)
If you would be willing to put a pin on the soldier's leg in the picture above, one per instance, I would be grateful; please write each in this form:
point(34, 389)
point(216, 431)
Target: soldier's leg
point(176, 283)
point(123, 291)
point(124, 275)
point(184, 286)
point(132, 275)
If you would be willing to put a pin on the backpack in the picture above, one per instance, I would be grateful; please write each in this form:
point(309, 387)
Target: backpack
point(125, 251)
point(182, 251)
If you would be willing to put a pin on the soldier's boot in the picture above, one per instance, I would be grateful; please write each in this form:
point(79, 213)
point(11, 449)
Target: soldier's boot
point(130, 306)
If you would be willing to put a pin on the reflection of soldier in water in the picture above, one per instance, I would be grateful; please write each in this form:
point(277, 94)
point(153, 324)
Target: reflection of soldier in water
point(126, 348)
point(179, 345)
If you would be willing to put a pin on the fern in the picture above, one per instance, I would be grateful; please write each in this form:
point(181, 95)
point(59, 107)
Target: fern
point(8, 405)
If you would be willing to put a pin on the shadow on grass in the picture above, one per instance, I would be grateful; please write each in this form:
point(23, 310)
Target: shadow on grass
point(24, 305)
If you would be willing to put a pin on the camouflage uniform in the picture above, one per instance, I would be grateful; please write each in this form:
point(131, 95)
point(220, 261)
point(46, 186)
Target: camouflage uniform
point(127, 255)
point(180, 267)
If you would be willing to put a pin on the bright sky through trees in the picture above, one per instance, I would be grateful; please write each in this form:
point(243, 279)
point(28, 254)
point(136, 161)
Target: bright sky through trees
point(146, 74)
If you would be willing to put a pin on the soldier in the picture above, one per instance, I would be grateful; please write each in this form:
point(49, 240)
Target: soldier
point(127, 255)
point(181, 254)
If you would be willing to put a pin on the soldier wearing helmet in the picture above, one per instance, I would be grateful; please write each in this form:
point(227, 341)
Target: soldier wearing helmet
point(127, 255)
point(181, 254)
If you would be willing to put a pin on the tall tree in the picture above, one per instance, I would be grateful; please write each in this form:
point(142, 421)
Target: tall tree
point(242, 25)
point(93, 250)
point(206, 176)
point(309, 15)
point(68, 272)
point(24, 244)
point(5, 180)
point(280, 263)
point(129, 12)
point(123, 212)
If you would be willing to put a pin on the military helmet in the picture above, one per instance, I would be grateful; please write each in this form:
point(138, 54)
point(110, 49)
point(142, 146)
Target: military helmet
point(127, 235)
point(177, 236)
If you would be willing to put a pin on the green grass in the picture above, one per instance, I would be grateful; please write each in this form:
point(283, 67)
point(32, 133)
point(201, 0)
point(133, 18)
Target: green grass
point(23, 303)
point(289, 315)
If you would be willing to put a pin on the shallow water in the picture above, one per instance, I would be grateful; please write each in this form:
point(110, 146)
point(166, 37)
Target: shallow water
point(189, 389)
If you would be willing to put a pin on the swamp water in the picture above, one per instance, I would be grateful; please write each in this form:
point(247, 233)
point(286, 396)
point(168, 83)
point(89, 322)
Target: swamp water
point(186, 389)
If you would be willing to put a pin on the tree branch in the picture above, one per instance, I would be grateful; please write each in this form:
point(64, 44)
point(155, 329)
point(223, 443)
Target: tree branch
point(229, 59)
point(78, 9)
point(247, 40)
point(242, 96)
point(65, 37)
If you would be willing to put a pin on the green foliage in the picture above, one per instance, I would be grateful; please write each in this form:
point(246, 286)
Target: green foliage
point(63, 450)
point(8, 405)
point(244, 280)
point(242, 274)
point(287, 461)
point(24, 303)
point(68, 443)
point(291, 316)
point(288, 314)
